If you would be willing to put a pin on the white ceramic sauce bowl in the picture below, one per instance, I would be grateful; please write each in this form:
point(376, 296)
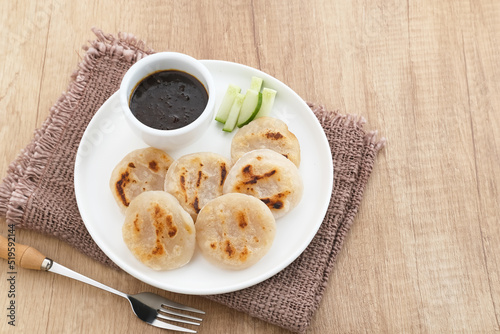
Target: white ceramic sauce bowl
point(176, 138)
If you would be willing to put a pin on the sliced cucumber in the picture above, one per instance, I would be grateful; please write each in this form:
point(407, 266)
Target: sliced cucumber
point(250, 108)
point(256, 84)
point(234, 113)
point(227, 102)
point(268, 96)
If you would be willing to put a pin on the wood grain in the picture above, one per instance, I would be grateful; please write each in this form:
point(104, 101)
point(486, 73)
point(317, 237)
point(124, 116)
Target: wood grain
point(423, 253)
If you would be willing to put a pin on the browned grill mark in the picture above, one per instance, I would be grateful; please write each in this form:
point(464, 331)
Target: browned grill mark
point(172, 232)
point(275, 202)
point(278, 205)
point(198, 181)
point(172, 229)
point(213, 245)
point(196, 205)
point(131, 165)
point(229, 249)
point(162, 220)
point(273, 135)
point(158, 214)
point(182, 181)
point(242, 220)
point(244, 254)
point(159, 228)
point(252, 178)
point(120, 187)
point(136, 223)
point(158, 249)
point(223, 173)
point(153, 165)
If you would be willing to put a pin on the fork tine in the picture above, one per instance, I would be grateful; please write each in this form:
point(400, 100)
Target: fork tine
point(166, 317)
point(164, 325)
point(181, 307)
point(171, 312)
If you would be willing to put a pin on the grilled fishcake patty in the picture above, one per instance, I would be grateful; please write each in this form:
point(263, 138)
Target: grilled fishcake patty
point(139, 171)
point(235, 231)
point(158, 231)
point(266, 132)
point(270, 177)
point(197, 178)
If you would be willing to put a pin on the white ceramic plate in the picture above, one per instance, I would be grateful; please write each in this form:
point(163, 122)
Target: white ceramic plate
point(108, 139)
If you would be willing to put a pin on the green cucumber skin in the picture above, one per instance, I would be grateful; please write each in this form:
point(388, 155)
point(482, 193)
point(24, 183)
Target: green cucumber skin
point(227, 102)
point(239, 109)
point(234, 113)
point(249, 110)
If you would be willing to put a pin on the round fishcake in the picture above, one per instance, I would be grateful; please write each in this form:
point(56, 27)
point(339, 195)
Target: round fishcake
point(158, 231)
point(234, 231)
point(196, 178)
point(266, 132)
point(270, 177)
point(139, 171)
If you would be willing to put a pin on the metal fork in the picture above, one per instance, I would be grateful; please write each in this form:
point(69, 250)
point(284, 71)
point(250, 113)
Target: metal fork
point(148, 306)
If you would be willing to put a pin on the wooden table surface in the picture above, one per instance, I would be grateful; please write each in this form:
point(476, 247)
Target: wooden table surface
point(423, 255)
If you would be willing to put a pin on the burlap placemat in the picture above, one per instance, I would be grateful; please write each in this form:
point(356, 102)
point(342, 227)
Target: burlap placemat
point(38, 192)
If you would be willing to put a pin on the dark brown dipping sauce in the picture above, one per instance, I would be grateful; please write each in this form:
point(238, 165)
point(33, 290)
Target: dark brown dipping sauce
point(168, 100)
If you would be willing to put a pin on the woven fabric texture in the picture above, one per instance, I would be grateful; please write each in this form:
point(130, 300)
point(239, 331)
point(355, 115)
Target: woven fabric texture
point(38, 191)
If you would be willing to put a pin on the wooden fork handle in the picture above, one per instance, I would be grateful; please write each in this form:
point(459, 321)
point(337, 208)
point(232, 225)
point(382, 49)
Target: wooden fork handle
point(24, 256)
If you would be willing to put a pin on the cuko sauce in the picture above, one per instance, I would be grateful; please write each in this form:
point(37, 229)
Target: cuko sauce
point(168, 100)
